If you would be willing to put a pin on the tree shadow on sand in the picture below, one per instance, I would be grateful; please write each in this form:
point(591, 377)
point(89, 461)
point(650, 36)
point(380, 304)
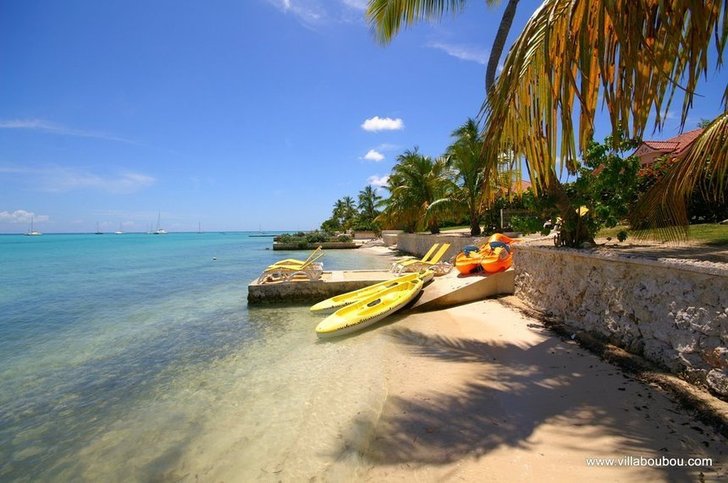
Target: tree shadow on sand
point(491, 412)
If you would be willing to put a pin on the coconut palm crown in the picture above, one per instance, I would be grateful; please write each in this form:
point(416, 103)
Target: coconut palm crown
point(635, 55)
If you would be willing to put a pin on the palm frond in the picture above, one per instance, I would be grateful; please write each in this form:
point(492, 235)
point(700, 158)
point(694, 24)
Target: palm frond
point(386, 17)
point(636, 54)
point(663, 209)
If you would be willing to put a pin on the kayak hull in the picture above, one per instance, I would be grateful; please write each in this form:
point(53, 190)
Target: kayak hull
point(337, 302)
point(369, 310)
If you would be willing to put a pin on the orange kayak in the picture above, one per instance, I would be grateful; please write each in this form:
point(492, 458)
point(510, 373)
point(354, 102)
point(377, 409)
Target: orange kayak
point(493, 256)
point(469, 262)
point(497, 260)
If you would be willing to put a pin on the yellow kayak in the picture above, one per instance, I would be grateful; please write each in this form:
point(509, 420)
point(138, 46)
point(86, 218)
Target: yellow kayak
point(369, 310)
point(335, 303)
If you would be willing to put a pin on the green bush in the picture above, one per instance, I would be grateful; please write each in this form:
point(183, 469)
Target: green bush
point(302, 240)
point(526, 224)
point(317, 237)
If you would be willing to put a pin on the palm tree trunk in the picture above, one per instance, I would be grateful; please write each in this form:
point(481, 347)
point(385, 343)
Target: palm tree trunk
point(474, 225)
point(573, 232)
point(499, 43)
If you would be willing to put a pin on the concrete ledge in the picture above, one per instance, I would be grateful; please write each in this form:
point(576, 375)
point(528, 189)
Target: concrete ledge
point(452, 290)
point(306, 291)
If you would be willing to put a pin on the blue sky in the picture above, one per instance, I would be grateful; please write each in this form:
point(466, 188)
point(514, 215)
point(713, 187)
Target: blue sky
point(236, 115)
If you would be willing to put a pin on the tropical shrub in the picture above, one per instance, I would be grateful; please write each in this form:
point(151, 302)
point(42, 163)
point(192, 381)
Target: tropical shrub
point(526, 224)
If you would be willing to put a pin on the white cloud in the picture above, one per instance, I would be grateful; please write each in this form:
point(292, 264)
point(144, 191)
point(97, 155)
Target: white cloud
point(55, 128)
point(308, 12)
point(377, 123)
point(20, 216)
point(356, 4)
point(59, 179)
point(378, 181)
point(373, 155)
point(463, 52)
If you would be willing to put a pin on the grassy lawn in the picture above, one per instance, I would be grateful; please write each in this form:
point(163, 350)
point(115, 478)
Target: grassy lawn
point(453, 228)
point(708, 234)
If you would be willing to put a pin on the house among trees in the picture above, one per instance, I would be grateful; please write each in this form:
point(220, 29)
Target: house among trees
point(675, 147)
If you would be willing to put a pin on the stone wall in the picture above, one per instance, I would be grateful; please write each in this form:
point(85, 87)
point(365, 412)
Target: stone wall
point(669, 311)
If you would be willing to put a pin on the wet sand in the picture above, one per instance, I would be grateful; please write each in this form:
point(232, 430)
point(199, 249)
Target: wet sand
point(480, 392)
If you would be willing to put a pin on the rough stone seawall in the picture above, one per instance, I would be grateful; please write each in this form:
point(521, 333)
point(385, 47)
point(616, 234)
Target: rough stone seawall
point(669, 311)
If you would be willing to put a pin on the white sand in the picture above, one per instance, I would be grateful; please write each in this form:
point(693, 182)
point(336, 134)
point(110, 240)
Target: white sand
point(482, 393)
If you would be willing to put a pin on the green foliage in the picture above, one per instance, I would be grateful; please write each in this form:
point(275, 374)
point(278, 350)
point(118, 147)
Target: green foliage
point(607, 186)
point(317, 237)
point(302, 240)
point(700, 209)
point(415, 183)
point(346, 215)
point(622, 235)
point(465, 194)
point(526, 224)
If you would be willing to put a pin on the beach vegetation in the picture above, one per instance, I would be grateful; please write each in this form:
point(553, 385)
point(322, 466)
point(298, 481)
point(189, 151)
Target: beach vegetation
point(631, 56)
point(343, 216)
point(465, 192)
point(700, 209)
point(369, 203)
point(415, 183)
point(303, 240)
point(348, 215)
point(606, 187)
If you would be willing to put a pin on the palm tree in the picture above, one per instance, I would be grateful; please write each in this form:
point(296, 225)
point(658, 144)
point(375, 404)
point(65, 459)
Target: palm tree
point(386, 16)
point(368, 202)
point(635, 55)
point(346, 208)
point(415, 183)
point(465, 159)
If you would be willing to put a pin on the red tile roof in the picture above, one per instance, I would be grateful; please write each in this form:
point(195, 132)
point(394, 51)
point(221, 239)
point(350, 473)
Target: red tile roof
point(675, 146)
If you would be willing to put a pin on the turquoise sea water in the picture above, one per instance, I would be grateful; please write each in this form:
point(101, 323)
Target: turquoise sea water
point(135, 357)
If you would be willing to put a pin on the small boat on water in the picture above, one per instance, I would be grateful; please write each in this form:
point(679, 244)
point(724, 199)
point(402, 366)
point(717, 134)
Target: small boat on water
point(369, 310)
point(32, 231)
point(159, 230)
point(339, 301)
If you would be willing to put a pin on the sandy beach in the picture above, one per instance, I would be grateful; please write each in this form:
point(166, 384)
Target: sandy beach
point(481, 392)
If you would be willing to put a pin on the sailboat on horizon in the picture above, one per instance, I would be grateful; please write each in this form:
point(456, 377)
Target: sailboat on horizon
point(159, 230)
point(32, 231)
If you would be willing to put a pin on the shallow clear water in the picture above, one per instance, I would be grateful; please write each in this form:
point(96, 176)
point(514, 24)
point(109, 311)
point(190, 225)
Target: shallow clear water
point(135, 357)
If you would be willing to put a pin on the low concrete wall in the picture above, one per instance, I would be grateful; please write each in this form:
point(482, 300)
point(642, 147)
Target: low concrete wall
point(672, 313)
point(418, 244)
point(300, 292)
point(364, 235)
point(390, 237)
